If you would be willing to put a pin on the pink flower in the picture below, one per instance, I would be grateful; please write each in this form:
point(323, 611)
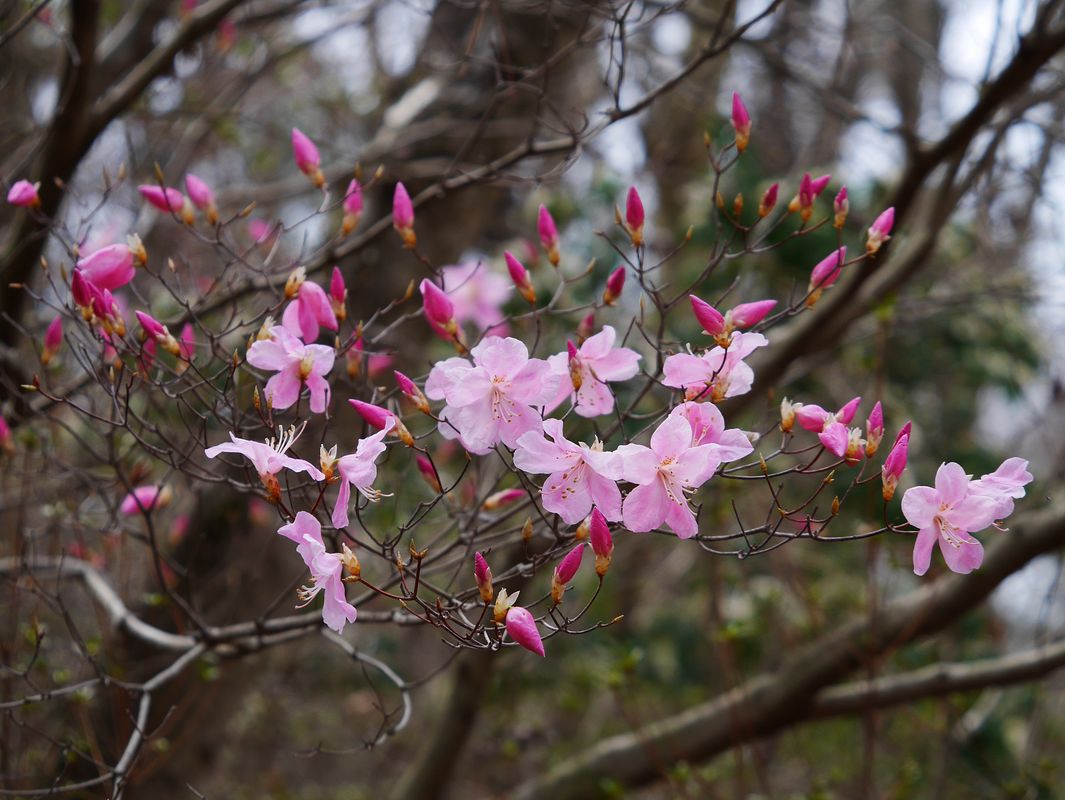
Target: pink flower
point(146, 499)
point(403, 215)
point(482, 573)
point(830, 428)
point(296, 364)
point(491, 400)
point(327, 571)
point(894, 465)
point(1004, 485)
point(307, 158)
point(565, 572)
point(268, 458)
point(825, 274)
point(584, 373)
point(615, 283)
point(579, 475)
point(168, 200)
point(24, 194)
point(809, 189)
point(521, 626)
point(879, 231)
point(721, 326)
point(310, 308)
point(741, 122)
point(202, 197)
point(520, 276)
point(708, 428)
point(769, 200)
point(476, 293)
point(634, 216)
point(948, 514)
point(338, 295)
point(352, 207)
point(53, 340)
point(602, 542)
point(716, 374)
point(359, 470)
point(109, 267)
point(664, 474)
point(545, 226)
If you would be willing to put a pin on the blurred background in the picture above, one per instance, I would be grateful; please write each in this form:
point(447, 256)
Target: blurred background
point(949, 110)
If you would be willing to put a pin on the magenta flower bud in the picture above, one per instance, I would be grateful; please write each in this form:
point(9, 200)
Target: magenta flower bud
point(188, 341)
point(79, 288)
point(841, 207)
point(438, 308)
point(352, 207)
point(741, 122)
point(5, 436)
point(403, 215)
point(769, 200)
point(167, 199)
point(879, 231)
point(602, 542)
point(893, 467)
point(411, 391)
point(903, 431)
point(24, 194)
point(53, 340)
point(806, 192)
point(425, 467)
point(565, 572)
point(747, 314)
point(817, 185)
point(521, 626)
point(482, 573)
point(846, 414)
point(199, 192)
point(545, 226)
point(151, 325)
point(712, 320)
point(874, 430)
point(148, 498)
point(825, 274)
point(109, 267)
point(634, 216)
point(504, 497)
point(615, 282)
point(375, 416)
point(585, 327)
point(520, 276)
point(307, 158)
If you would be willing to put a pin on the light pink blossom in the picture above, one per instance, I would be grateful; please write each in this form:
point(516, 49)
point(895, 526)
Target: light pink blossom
point(109, 267)
point(1004, 485)
point(492, 399)
point(831, 428)
point(309, 309)
point(359, 469)
point(579, 475)
point(708, 428)
point(327, 571)
point(268, 458)
point(296, 364)
point(584, 373)
point(716, 374)
point(948, 514)
point(664, 474)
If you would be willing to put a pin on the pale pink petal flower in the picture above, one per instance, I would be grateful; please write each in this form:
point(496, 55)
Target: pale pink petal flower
point(491, 400)
point(583, 375)
point(948, 515)
point(268, 458)
point(521, 626)
point(579, 476)
point(708, 428)
point(297, 364)
point(716, 374)
point(1004, 485)
point(359, 470)
point(327, 571)
point(310, 309)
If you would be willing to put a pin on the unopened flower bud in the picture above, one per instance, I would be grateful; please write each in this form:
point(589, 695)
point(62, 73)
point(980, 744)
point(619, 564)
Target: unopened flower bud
point(482, 573)
point(634, 216)
point(879, 231)
point(352, 207)
point(615, 283)
point(502, 498)
point(874, 430)
point(411, 391)
point(53, 339)
point(741, 122)
point(565, 572)
point(894, 465)
point(350, 561)
point(403, 216)
point(545, 226)
point(520, 276)
point(787, 414)
point(840, 207)
point(521, 626)
point(307, 158)
point(825, 274)
point(602, 542)
point(425, 468)
point(769, 200)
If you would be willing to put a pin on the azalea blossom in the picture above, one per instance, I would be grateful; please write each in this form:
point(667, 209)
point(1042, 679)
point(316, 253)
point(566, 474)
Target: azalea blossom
point(716, 374)
point(584, 373)
point(327, 571)
point(296, 364)
point(664, 474)
point(491, 400)
point(1005, 485)
point(951, 512)
point(359, 469)
point(109, 267)
point(831, 428)
point(708, 428)
point(579, 475)
point(309, 309)
point(268, 458)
